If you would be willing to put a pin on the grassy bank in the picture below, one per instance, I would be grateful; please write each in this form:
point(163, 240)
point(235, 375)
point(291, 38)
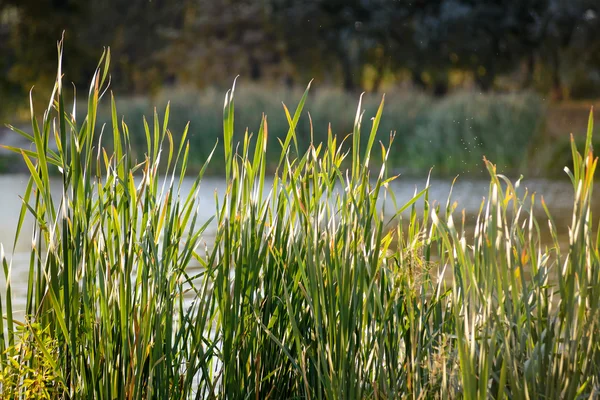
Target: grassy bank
point(308, 290)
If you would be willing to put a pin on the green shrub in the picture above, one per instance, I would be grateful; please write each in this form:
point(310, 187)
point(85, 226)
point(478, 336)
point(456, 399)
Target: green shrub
point(462, 128)
point(28, 370)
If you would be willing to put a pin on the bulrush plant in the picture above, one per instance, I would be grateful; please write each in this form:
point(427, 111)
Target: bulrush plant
point(527, 317)
point(107, 270)
point(311, 287)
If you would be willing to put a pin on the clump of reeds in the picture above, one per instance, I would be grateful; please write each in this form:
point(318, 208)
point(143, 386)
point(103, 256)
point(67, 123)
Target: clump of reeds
point(107, 271)
point(310, 289)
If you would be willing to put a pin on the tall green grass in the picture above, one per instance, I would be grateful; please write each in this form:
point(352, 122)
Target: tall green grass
point(108, 262)
point(317, 283)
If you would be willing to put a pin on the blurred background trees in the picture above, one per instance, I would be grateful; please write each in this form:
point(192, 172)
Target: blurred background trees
point(437, 45)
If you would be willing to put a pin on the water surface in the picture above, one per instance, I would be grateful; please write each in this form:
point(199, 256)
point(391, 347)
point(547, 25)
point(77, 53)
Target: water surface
point(467, 192)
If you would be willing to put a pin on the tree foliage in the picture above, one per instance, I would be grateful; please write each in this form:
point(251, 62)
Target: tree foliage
point(356, 44)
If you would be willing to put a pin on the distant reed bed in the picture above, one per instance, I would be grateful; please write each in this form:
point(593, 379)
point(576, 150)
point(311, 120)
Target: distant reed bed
point(450, 133)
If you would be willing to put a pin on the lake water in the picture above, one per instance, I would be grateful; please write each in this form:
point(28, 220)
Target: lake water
point(467, 192)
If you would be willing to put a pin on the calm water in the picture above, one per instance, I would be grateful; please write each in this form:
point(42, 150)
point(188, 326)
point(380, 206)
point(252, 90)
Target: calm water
point(468, 194)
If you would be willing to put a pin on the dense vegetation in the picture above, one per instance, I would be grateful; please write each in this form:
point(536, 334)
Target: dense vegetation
point(308, 290)
point(449, 134)
point(547, 45)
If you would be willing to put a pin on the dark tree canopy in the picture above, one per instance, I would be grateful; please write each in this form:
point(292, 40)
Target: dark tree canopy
point(549, 45)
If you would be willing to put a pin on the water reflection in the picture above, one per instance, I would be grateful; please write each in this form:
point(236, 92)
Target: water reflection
point(467, 193)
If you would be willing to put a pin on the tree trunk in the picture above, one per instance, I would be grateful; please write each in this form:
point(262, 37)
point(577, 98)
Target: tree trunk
point(349, 83)
point(378, 76)
point(557, 87)
point(255, 68)
point(440, 88)
point(417, 79)
point(484, 82)
point(529, 71)
point(288, 80)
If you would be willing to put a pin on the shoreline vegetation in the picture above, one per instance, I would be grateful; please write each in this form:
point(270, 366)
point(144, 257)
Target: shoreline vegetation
point(521, 131)
point(308, 291)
